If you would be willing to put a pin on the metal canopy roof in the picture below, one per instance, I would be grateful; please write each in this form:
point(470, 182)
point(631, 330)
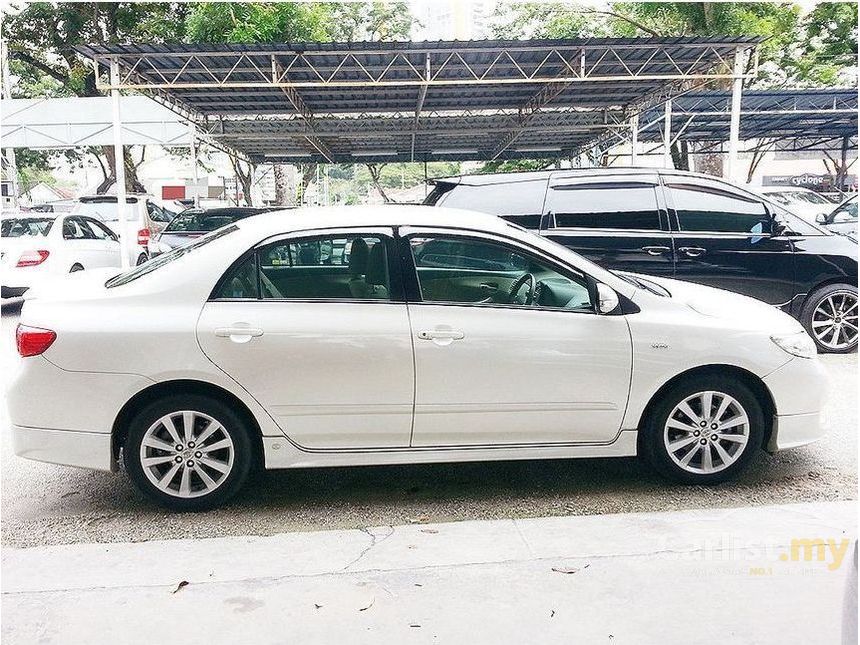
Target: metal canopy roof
point(410, 101)
point(802, 114)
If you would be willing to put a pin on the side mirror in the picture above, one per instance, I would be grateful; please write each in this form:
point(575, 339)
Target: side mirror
point(821, 218)
point(607, 299)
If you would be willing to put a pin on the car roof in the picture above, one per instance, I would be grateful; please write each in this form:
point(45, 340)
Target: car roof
point(531, 175)
point(299, 219)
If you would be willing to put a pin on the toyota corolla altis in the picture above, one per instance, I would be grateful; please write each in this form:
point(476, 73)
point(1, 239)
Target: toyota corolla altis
point(370, 335)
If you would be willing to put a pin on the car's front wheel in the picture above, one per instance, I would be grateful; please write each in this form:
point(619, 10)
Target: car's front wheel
point(704, 430)
point(188, 452)
point(830, 317)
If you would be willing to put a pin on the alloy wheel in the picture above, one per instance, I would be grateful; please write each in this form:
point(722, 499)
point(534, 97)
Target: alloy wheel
point(187, 454)
point(834, 320)
point(706, 432)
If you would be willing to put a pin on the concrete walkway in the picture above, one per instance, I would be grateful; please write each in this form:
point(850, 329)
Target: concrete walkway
point(689, 577)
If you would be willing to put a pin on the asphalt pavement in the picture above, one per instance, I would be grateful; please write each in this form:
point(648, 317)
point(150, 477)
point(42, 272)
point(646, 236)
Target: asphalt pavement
point(44, 504)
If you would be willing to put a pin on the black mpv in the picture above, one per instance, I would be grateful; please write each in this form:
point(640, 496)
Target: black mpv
point(681, 225)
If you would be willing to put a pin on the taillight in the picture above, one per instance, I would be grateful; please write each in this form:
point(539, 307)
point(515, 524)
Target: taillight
point(32, 258)
point(32, 341)
point(143, 236)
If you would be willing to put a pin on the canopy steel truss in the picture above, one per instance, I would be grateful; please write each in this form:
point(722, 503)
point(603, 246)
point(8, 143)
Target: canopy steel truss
point(411, 101)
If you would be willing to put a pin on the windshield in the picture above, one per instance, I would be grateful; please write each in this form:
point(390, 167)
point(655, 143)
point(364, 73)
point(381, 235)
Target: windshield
point(24, 226)
point(105, 211)
point(166, 258)
point(788, 197)
point(195, 221)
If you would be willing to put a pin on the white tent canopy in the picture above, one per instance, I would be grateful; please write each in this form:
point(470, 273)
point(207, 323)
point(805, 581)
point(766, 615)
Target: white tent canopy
point(75, 122)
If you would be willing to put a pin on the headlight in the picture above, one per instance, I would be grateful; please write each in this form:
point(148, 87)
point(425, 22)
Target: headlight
point(797, 344)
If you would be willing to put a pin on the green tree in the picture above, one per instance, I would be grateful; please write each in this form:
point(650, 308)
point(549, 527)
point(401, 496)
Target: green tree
point(41, 37)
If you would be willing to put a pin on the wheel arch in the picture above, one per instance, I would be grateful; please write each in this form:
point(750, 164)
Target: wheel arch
point(751, 380)
point(119, 431)
point(843, 279)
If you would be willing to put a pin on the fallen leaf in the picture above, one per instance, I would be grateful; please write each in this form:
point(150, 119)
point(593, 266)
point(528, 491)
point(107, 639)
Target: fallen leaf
point(428, 530)
point(369, 605)
point(570, 570)
point(552, 614)
point(182, 583)
point(418, 584)
point(316, 606)
point(415, 625)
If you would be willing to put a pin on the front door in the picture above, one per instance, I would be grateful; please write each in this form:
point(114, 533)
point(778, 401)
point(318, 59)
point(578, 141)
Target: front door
point(619, 223)
point(724, 239)
point(316, 330)
point(508, 349)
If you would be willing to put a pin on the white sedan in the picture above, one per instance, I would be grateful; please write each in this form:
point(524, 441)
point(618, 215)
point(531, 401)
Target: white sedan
point(38, 247)
point(407, 334)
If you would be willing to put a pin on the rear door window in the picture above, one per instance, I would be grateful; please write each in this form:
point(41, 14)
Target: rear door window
point(520, 202)
point(628, 206)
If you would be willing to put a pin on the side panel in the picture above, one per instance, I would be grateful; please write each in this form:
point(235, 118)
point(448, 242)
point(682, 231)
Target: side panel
point(332, 374)
point(518, 376)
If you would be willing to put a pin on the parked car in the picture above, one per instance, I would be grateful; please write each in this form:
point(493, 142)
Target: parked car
point(194, 222)
point(503, 345)
point(804, 202)
point(842, 219)
point(59, 206)
point(683, 225)
point(36, 248)
point(144, 218)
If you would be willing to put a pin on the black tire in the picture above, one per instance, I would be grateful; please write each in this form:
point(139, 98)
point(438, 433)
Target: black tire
point(652, 445)
point(141, 259)
point(76, 267)
point(808, 313)
point(233, 425)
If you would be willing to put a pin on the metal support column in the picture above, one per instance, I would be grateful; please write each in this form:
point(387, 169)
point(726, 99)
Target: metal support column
point(667, 135)
point(731, 167)
point(634, 138)
point(192, 138)
point(119, 166)
point(12, 163)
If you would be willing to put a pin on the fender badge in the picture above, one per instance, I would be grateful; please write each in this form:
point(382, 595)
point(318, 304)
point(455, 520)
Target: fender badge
point(660, 345)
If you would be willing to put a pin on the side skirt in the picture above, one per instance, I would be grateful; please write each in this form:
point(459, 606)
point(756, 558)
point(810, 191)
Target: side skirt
point(279, 453)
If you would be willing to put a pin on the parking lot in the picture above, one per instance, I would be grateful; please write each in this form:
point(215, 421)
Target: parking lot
point(46, 504)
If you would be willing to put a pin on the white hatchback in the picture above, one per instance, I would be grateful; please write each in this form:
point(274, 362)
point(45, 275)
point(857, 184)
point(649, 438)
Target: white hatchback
point(407, 334)
point(37, 248)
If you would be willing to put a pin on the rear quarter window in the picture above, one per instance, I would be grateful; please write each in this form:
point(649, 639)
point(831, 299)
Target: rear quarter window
point(520, 202)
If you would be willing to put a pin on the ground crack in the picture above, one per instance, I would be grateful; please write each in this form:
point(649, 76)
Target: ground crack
point(374, 540)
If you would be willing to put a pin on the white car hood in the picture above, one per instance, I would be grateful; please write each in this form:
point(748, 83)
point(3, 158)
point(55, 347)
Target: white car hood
point(717, 303)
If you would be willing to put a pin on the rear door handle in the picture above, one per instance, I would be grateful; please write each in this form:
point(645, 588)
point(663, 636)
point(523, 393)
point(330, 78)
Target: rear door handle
point(692, 251)
point(238, 334)
point(441, 334)
point(656, 250)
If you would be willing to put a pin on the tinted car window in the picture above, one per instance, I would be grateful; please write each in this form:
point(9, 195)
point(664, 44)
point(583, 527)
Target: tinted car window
point(196, 221)
point(474, 271)
point(74, 228)
point(605, 205)
point(520, 202)
point(18, 227)
point(712, 210)
point(340, 267)
point(241, 282)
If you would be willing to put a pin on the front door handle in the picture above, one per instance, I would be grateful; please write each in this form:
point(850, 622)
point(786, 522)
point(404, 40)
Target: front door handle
point(656, 250)
point(692, 251)
point(238, 333)
point(441, 334)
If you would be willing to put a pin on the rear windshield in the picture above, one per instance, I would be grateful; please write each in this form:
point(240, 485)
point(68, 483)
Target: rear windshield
point(105, 211)
point(192, 221)
point(25, 226)
point(166, 258)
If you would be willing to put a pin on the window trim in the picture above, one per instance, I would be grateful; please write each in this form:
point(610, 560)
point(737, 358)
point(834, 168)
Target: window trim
point(414, 287)
point(386, 234)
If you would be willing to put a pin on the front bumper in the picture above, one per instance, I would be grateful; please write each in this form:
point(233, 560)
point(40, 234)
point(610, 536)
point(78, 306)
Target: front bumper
point(799, 390)
point(65, 447)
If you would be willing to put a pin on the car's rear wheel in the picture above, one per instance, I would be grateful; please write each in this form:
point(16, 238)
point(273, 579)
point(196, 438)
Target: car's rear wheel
point(188, 453)
point(830, 317)
point(76, 267)
point(141, 259)
point(704, 430)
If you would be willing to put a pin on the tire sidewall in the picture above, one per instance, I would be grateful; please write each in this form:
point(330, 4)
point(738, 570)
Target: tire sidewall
point(653, 445)
point(233, 425)
point(809, 309)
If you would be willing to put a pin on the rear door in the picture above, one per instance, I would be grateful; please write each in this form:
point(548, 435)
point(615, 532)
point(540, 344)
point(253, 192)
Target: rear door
point(315, 328)
point(617, 222)
point(723, 238)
